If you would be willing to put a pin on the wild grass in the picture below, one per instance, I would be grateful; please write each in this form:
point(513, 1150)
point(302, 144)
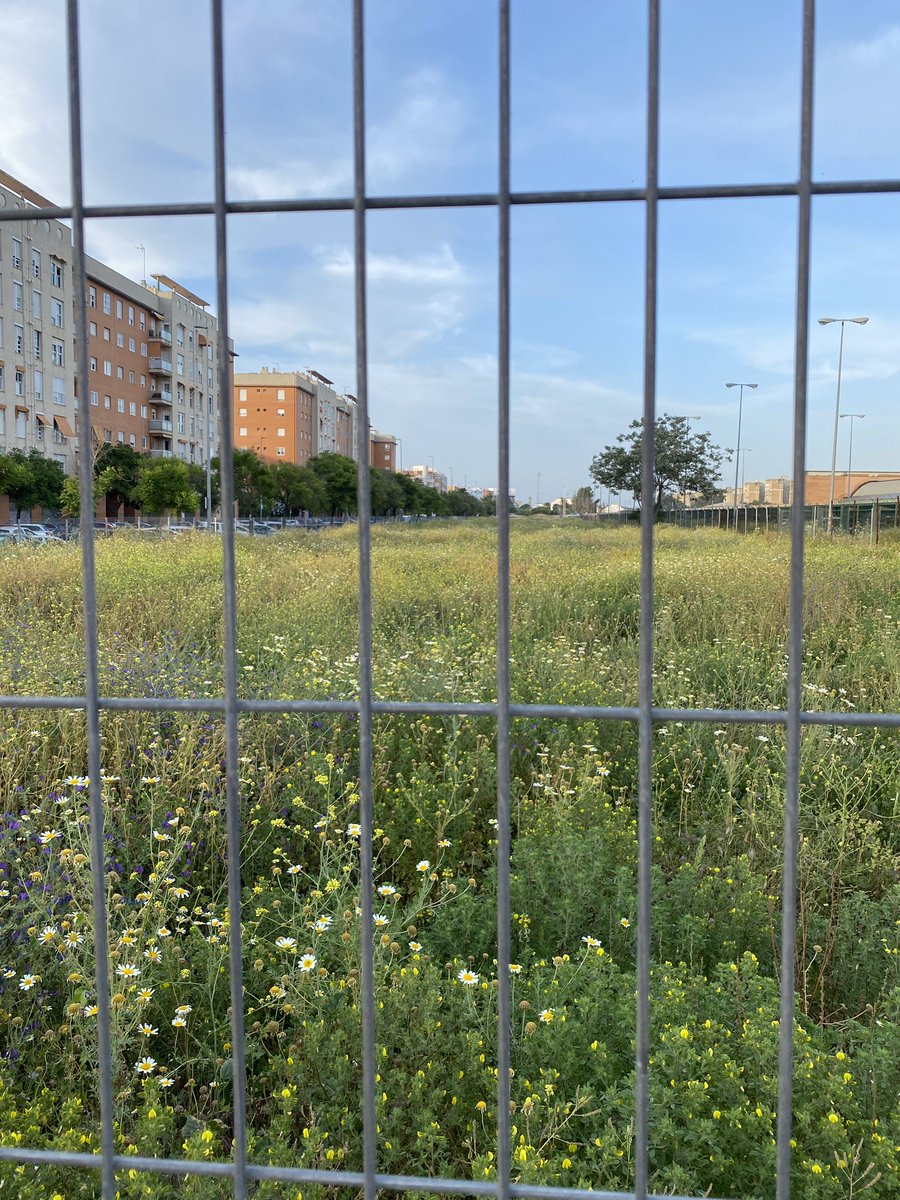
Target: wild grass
point(720, 621)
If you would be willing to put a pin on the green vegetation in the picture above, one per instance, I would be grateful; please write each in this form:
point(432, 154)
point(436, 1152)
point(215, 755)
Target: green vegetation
point(720, 642)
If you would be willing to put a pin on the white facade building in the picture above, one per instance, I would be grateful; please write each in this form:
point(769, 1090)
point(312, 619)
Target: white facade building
point(37, 360)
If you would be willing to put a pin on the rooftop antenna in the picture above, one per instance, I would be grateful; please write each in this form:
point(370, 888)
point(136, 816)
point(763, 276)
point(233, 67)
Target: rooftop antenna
point(143, 250)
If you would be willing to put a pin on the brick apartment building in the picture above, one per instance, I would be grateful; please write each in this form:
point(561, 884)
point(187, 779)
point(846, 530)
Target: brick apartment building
point(152, 350)
point(291, 416)
point(382, 450)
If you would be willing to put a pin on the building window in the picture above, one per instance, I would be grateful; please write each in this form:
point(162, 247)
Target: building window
point(121, 437)
point(36, 309)
point(279, 433)
point(93, 328)
point(92, 362)
point(120, 405)
point(59, 391)
point(130, 314)
point(36, 263)
point(3, 422)
point(92, 297)
point(242, 412)
point(107, 401)
point(120, 340)
point(144, 412)
point(120, 372)
point(242, 395)
point(181, 422)
point(107, 367)
point(56, 313)
point(56, 273)
point(20, 382)
point(107, 303)
point(39, 385)
point(107, 435)
point(144, 443)
point(20, 339)
point(106, 333)
point(132, 408)
point(2, 378)
point(242, 432)
point(143, 349)
point(132, 441)
point(58, 353)
point(179, 335)
point(280, 451)
point(16, 252)
point(132, 346)
point(17, 296)
point(119, 309)
point(95, 399)
point(279, 412)
point(36, 335)
point(143, 381)
point(21, 424)
point(179, 363)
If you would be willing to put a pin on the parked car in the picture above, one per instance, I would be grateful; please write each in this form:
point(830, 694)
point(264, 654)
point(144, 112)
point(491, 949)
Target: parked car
point(36, 533)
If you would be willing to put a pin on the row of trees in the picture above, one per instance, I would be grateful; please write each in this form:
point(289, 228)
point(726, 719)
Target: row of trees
point(325, 487)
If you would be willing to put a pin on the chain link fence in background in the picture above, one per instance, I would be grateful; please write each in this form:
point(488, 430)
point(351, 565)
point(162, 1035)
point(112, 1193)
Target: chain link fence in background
point(240, 1171)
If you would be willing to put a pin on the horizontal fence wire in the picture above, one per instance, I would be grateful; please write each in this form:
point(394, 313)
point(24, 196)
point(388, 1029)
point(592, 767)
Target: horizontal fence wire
point(503, 710)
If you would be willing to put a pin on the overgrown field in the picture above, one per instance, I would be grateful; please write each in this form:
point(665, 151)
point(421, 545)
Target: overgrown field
point(720, 642)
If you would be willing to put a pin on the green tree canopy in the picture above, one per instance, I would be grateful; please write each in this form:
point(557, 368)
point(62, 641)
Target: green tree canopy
point(683, 460)
point(30, 479)
point(117, 469)
point(583, 501)
point(164, 485)
point(338, 474)
point(297, 489)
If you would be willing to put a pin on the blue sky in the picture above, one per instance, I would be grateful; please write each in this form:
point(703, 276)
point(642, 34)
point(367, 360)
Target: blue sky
point(730, 96)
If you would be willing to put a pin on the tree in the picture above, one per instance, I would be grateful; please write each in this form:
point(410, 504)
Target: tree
point(30, 479)
point(683, 461)
point(253, 489)
point(338, 474)
point(164, 485)
point(117, 468)
point(583, 501)
point(296, 489)
point(387, 495)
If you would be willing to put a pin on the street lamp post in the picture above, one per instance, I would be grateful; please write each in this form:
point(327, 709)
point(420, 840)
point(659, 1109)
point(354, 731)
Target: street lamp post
point(842, 321)
point(737, 453)
point(852, 416)
point(745, 450)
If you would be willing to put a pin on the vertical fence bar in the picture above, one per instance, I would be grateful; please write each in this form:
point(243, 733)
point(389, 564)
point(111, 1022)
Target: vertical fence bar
point(503, 620)
point(645, 680)
point(89, 594)
point(366, 869)
point(232, 779)
point(795, 625)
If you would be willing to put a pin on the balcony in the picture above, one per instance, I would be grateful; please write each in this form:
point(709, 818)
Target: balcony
point(154, 452)
point(161, 335)
point(161, 397)
point(157, 426)
point(161, 366)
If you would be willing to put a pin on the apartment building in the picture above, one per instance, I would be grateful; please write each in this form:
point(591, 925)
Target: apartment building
point(382, 450)
point(122, 319)
point(291, 416)
point(431, 478)
point(152, 350)
point(37, 363)
point(186, 394)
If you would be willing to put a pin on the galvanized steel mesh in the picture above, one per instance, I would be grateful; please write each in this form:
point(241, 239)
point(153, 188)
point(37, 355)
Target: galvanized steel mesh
point(240, 1170)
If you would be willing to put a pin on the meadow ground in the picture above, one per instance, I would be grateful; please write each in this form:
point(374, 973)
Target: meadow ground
point(718, 790)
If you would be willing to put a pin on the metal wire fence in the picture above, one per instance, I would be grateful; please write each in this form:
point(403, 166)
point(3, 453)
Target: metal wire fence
point(240, 1171)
